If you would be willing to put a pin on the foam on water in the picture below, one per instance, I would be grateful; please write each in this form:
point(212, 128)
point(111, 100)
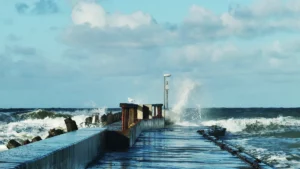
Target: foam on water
point(29, 128)
point(269, 139)
point(3, 148)
point(187, 124)
point(99, 111)
point(255, 124)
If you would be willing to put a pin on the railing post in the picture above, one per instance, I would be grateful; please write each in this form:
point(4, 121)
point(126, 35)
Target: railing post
point(131, 116)
point(135, 114)
point(123, 118)
point(126, 119)
point(159, 113)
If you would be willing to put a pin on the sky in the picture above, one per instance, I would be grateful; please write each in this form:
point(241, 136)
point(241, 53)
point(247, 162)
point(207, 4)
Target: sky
point(97, 53)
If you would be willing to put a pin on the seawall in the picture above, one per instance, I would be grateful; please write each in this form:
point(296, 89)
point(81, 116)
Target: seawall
point(73, 150)
point(143, 125)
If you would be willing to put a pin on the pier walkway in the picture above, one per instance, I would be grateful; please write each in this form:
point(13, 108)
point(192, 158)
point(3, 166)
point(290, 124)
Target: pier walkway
point(175, 147)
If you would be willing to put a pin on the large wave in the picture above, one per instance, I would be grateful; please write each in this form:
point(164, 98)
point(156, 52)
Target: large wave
point(273, 140)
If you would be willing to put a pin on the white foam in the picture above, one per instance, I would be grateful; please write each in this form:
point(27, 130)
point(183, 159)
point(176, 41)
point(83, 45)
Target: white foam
point(277, 158)
point(3, 148)
point(187, 124)
point(238, 125)
point(29, 128)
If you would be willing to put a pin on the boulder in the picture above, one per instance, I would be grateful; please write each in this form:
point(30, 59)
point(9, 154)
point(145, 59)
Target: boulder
point(71, 124)
point(104, 118)
point(116, 118)
point(216, 131)
point(110, 118)
point(35, 139)
point(26, 142)
point(12, 144)
point(54, 132)
point(88, 120)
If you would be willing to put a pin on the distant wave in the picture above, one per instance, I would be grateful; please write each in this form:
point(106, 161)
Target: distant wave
point(257, 125)
point(41, 114)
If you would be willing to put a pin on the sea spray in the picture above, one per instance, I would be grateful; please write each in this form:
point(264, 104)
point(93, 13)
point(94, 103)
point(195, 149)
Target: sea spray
point(186, 93)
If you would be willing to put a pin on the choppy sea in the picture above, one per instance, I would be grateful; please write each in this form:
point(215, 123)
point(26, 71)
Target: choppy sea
point(270, 134)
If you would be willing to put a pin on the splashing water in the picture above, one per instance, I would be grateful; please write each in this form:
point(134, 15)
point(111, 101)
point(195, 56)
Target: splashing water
point(185, 96)
point(256, 125)
point(30, 127)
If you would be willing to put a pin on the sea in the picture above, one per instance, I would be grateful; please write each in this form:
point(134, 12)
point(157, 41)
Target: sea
point(269, 134)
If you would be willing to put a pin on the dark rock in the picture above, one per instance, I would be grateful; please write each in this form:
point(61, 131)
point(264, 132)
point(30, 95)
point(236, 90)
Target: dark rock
point(216, 131)
point(201, 131)
point(88, 120)
point(116, 117)
point(110, 118)
point(71, 124)
point(12, 144)
point(119, 116)
point(26, 142)
point(35, 139)
point(54, 132)
point(104, 118)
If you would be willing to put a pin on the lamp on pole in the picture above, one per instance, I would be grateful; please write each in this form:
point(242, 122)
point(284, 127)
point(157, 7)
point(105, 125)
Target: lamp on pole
point(166, 88)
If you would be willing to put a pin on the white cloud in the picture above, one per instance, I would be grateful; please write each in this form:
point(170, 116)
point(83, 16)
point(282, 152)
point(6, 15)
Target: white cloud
point(261, 18)
point(271, 8)
point(92, 13)
point(231, 23)
point(203, 38)
point(198, 14)
point(274, 62)
point(88, 12)
point(195, 53)
point(132, 21)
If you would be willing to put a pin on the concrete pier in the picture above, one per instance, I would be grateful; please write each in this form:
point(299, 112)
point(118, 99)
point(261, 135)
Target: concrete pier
point(176, 147)
point(142, 137)
point(74, 150)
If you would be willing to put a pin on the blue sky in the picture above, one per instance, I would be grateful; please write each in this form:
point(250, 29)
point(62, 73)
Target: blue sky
point(83, 53)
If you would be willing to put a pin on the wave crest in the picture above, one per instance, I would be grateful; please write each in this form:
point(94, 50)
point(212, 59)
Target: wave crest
point(41, 114)
point(256, 125)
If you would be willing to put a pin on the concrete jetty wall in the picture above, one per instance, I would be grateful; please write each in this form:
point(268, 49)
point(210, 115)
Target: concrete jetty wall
point(143, 125)
point(73, 150)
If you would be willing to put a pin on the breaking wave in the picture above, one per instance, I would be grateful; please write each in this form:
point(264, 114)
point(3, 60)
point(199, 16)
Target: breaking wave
point(37, 123)
point(41, 114)
point(257, 125)
point(273, 140)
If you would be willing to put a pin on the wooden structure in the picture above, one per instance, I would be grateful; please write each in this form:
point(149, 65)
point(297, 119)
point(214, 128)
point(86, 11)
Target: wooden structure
point(130, 113)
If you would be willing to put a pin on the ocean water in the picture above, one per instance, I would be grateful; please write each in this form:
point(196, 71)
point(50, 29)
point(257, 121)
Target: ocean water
point(22, 124)
point(269, 134)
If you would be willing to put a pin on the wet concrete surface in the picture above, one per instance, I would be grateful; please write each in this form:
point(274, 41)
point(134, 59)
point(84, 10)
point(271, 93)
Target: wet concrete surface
point(117, 126)
point(176, 147)
point(34, 152)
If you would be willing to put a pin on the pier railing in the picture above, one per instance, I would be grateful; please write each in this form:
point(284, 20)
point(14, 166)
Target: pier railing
point(132, 113)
